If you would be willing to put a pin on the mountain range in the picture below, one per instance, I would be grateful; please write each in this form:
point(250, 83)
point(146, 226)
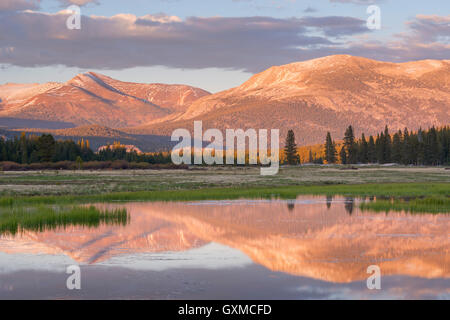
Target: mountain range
point(95, 99)
point(311, 97)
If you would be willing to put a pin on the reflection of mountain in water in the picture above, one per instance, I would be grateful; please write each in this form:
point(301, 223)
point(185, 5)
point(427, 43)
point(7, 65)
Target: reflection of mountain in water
point(307, 240)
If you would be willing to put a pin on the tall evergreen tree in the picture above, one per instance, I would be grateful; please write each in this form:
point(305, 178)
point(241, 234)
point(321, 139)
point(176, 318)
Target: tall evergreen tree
point(23, 148)
point(397, 147)
point(379, 147)
point(330, 149)
point(406, 148)
point(46, 145)
point(420, 147)
point(371, 151)
point(343, 155)
point(387, 145)
point(3, 151)
point(350, 146)
point(432, 147)
point(363, 152)
point(290, 149)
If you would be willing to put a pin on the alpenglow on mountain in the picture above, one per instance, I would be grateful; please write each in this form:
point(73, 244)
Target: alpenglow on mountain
point(310, 97)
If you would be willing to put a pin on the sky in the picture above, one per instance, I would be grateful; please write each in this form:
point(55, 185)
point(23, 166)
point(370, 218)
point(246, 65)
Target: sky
point(211, 44)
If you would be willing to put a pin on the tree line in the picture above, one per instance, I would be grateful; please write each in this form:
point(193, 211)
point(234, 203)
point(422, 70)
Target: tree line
point(45, 149)
point(425, 147)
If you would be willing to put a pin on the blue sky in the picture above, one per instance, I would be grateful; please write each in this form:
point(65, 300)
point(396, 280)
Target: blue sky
point(210, 44)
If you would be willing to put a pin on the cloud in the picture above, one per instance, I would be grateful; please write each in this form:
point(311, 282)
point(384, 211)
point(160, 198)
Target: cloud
point(17, 5)
point(310, 10)
point(122, 41)
point(336, 26)
point(20, 5)
point(366, 2)
point(77, 2)
point(246, 43)
point(430, 28)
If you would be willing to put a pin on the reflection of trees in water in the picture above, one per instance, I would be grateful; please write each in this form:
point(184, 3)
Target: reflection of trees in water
point(291, 205)
point(329, 201)
point(349, 205)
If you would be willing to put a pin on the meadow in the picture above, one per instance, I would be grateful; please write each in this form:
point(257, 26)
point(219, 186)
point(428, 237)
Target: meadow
point(224, 183)
point(78, 183)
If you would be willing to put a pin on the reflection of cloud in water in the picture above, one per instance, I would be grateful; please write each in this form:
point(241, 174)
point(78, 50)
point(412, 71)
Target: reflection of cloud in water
point(393, 288)
point(210, 256)
point(10, 263)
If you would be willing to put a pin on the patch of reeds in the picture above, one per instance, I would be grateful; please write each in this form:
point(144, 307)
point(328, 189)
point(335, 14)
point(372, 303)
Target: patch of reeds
point(42, 218)
point(418, 205)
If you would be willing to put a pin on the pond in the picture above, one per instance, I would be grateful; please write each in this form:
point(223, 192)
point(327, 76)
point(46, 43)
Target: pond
point(309, 248)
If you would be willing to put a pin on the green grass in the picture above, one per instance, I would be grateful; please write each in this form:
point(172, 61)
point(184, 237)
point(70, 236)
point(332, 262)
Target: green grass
point(42, 218)
point(425, 205)
point(441, 190)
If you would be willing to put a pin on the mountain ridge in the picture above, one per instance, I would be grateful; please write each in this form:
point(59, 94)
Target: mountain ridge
point(311, 97)
point(327, 94)
point(92, 98)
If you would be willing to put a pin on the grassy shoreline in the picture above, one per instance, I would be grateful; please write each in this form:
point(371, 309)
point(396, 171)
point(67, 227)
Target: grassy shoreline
point(420, 205)
point(398, 190)
point(42, 218)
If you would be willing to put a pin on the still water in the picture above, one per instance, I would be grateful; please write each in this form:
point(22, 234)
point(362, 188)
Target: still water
point(308, 248)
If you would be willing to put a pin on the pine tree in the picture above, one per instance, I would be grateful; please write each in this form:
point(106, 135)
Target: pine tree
point(420, 147)
point(379, 147)
point(350, 146)
point(371, 151)
point(406, 148)
point(23, 148)
point(46, 145)
point(397, 147)
point(290, 149)
point(432, 147)
point(343, 156)
point(387, 145)
point(3, 151)
point(363, 154)
point(330, 149)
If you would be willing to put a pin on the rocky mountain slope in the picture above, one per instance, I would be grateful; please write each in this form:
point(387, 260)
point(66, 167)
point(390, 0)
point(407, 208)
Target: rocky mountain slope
point(311, 97)
point(327, 94)
point(92, 98)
